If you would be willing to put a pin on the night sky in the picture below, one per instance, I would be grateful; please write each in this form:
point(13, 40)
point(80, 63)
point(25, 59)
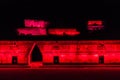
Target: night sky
point(60, 14)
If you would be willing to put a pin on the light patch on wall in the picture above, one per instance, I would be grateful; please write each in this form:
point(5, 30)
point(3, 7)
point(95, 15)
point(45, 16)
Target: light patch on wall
point(33, 28)
point(64, 31)
point(95, 25)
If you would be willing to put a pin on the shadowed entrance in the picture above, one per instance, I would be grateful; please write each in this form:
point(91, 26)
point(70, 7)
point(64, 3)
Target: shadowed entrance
point(36, 55)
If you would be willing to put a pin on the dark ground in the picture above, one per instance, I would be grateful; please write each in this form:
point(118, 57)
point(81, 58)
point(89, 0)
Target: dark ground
point(86, 73)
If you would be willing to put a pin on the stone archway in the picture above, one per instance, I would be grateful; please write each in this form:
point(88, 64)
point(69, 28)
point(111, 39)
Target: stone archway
point(35, 56)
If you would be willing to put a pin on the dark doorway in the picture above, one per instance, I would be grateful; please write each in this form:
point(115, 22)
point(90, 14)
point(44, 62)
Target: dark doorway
point(36, 55)
point(56, 60)
point(14, 60)
point(101, 59)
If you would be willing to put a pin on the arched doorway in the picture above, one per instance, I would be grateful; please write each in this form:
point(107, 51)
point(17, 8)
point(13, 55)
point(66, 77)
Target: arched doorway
point(35, 57)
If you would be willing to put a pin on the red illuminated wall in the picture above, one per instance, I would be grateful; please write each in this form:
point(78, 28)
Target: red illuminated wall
point(68, 51)
point(14, 48)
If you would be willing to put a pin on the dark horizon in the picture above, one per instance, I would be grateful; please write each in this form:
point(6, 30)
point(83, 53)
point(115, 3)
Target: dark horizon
point(60, 14)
